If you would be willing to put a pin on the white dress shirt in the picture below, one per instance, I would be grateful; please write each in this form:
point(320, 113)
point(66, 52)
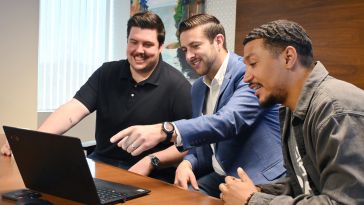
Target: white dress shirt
point(211, 100)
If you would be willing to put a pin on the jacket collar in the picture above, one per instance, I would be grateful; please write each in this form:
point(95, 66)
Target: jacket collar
point(315, 78)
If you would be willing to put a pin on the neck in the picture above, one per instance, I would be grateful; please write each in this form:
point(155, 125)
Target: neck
point(298, 80)
point(217, 64)
point(141, 75)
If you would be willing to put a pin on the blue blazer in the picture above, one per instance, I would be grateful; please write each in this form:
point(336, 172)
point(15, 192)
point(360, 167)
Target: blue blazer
point(245, 134)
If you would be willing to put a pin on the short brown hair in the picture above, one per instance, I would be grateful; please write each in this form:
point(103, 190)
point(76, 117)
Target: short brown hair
point(212, 26)
point(148, 20)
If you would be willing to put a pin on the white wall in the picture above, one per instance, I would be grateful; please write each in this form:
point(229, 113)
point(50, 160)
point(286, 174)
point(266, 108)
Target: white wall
point(225, 11)
point(85, 130)
point(18, 62)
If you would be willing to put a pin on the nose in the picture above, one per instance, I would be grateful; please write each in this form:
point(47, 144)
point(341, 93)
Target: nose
point(248, 77)
point(189, 55)
point(139, 48)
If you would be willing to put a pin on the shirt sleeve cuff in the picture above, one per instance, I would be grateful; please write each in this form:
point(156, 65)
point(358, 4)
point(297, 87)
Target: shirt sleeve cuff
point(179, 142)
point(260, 198)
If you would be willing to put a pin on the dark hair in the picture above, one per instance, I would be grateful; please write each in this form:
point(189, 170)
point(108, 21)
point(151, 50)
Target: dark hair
point(212, 26)
point(277, 35)
point(148, 20)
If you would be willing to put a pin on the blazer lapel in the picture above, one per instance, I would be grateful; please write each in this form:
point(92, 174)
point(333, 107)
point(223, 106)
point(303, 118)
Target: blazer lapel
point(200, 101)
point(226, 81)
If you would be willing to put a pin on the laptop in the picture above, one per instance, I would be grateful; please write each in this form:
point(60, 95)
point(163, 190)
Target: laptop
point(56, 165)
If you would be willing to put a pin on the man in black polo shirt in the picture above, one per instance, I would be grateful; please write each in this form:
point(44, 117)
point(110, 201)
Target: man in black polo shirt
point(140, 90)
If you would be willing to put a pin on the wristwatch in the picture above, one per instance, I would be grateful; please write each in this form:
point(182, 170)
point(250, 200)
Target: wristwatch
point(168, 128)
point(154, 161)
point(180, 148)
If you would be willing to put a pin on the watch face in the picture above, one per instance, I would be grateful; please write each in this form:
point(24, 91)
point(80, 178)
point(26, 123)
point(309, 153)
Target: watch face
point(168, 127)
point(155, 161)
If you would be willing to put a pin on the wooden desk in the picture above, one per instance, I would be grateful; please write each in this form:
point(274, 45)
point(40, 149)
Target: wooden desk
point(161, 193)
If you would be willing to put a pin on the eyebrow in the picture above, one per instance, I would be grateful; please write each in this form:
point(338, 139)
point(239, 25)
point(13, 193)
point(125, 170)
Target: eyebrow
point(247, 58)
point(193, 42)
point(189, 44)
point(147, 41)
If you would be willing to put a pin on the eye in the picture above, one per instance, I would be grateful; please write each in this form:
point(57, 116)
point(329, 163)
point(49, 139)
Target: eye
point(132, 42)
point(252, 64)
point(195, 46)
point(148, 45)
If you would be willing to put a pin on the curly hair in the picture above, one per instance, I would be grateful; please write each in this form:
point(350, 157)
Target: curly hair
point(279, 34)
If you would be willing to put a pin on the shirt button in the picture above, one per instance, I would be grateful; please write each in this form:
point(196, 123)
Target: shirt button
point(135, 86)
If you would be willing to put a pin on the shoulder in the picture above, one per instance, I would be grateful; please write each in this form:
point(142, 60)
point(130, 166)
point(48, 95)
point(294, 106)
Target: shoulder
point(198, 83)
point(340, 95)
point(112, 69)
point(236, 61)
point(113, 66)
point(171, 75)
point(236, 67)
point(170, 70)
point(334, 101)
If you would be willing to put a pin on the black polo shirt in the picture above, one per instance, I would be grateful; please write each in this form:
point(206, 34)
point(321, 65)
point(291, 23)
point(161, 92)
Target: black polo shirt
point(120, 102)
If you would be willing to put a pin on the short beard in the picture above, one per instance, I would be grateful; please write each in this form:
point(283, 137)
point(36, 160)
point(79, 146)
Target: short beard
point(274, 99)
point(269, 102)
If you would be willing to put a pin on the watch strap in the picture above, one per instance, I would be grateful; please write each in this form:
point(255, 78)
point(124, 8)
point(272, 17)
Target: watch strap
point(179, 147)
point(169, 133)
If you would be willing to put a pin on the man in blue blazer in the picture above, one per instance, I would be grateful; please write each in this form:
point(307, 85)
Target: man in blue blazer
point(228, 130)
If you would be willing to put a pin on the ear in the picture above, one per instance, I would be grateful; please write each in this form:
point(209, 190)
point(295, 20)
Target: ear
point(161, 47)
point(220, 40)
point(290, 56)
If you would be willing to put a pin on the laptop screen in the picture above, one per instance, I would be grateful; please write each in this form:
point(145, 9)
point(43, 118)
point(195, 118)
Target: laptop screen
point(55, 164)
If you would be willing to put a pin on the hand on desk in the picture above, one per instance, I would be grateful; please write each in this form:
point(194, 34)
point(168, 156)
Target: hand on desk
point(185, 175)
point(143, 167)
point(137, 139)
point(237, 191)
point(5, 149)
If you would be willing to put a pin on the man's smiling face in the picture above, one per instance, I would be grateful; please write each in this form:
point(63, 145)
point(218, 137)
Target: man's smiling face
point(200, 53)
point(143, 49)
point(265, 73)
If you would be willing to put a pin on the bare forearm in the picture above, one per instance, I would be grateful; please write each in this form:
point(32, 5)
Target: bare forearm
point(166, 158)
point(65, 117)
point(170, 156)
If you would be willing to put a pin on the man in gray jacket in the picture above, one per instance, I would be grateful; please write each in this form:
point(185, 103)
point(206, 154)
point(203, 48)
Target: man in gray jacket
point(322, 123)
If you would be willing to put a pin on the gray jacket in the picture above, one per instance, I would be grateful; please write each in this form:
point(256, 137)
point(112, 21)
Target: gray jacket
point(329, 127)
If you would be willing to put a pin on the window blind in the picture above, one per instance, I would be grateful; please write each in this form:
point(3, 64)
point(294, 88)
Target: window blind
point(75, 38)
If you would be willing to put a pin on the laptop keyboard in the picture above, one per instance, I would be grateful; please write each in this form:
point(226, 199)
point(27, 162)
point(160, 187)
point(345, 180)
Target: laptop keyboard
point(107, 195)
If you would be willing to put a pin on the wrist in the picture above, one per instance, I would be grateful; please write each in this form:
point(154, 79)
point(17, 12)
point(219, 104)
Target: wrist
point(168, 130)
point(187, 164)
point(147, 163)
point(248, 198)
point(154, 161)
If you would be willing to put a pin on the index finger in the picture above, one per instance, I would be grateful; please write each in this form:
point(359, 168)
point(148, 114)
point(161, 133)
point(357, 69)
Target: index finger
point(244, 176)
point(120, 135)
point(230, 179)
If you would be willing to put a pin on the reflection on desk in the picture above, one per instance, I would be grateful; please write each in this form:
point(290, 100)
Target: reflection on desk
point(161, 192)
